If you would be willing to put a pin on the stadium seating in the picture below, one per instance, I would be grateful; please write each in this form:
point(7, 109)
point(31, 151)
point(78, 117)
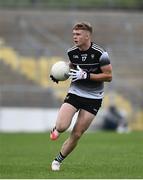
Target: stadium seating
point(30, 40)
point(37, 71)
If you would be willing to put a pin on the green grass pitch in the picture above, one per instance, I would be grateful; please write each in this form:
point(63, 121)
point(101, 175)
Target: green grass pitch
point(98, 155)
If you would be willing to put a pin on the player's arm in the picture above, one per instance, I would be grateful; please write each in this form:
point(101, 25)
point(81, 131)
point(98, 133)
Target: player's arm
point(78, 74)
point(106, 74)
point(106, 69)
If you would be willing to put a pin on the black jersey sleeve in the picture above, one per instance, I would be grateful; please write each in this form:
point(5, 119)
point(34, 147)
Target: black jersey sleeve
point(104, 59)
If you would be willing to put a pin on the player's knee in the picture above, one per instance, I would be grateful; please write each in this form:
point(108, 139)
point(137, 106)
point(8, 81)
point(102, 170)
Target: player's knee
point(61, 128)
point(77, 135)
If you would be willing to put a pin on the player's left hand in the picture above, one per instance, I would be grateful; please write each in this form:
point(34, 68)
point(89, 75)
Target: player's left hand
point(54, 79)
point(77, 74)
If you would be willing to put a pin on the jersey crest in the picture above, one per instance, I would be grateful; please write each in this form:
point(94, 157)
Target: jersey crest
point(83, 57)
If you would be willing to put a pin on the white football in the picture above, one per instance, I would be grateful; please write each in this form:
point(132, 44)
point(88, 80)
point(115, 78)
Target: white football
point(60, 70)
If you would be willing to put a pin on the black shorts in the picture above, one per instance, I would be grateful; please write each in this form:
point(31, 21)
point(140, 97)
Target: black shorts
point(90, 105)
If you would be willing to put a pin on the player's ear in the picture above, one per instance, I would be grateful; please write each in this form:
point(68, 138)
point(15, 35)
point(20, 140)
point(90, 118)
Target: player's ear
point(87, 35)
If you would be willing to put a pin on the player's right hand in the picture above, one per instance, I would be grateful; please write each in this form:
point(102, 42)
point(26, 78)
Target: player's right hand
point(77, 74)
point(54, 79)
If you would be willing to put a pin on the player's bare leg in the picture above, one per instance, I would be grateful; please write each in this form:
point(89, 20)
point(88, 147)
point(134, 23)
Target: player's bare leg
point(62, 123)
point(83, 122)
point(64, 119)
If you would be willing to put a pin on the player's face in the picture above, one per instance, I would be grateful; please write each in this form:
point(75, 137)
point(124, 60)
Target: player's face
point(80, 37)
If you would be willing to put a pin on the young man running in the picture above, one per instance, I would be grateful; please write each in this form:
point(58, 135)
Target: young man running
point(90, 68)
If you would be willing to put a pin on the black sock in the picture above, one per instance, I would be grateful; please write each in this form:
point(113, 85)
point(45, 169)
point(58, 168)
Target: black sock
point(60, 157)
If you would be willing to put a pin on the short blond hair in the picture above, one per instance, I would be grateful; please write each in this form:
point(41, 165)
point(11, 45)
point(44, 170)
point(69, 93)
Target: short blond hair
point(83, 26)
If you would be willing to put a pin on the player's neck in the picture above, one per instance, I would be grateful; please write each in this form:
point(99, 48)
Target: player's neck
point(85, 47)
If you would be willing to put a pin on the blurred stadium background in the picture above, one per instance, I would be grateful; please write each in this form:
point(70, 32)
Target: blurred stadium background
point(36, 33)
